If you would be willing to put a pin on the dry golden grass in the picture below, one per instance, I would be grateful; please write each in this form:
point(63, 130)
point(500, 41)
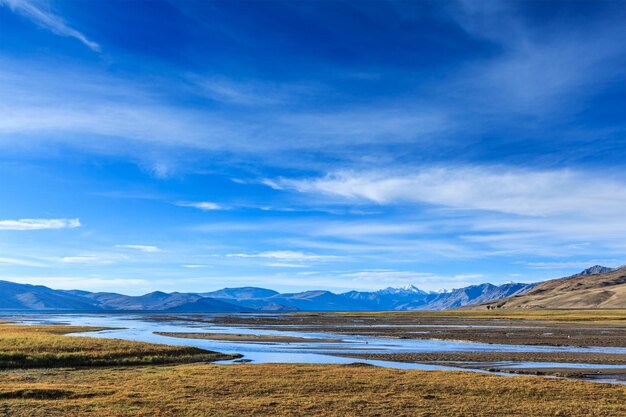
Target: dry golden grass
point(598, 291)
point(258, 390)
point(297, 390)
point(45, 346)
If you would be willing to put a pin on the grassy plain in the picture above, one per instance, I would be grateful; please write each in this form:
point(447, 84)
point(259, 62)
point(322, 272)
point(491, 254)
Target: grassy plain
point(45, 346)
point(297, 390)
point(82, 376)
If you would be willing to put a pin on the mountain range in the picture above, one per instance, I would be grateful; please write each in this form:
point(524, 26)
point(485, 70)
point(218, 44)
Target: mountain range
point(14, 296)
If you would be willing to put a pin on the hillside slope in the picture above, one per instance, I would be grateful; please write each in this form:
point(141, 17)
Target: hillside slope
point(601, 290)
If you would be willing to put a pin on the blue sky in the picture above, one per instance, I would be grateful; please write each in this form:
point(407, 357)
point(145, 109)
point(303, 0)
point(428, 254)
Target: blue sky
point(309, 145)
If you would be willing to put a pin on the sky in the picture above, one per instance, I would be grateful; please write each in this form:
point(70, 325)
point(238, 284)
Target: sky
point(195, 145)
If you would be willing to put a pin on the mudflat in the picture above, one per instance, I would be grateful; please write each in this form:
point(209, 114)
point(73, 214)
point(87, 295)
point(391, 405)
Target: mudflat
point(570, 357)
point(497, 362)
point(572, 328)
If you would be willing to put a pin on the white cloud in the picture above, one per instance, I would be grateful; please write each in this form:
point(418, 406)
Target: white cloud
point(82, 283)
point(202, 205)
point(20, 262)
point(383, 277)
point(505, 190)
point(39, 224)
point(127, 116)
point(534, 74)
point(86, 259)
point(611, 263)
point(247, 93)
point(286, 255)
point(285, 265)
point(38, 12)
point(374, 279)
point(141, 248)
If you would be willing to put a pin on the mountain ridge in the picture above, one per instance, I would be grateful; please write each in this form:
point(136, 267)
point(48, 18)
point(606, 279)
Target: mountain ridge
point(14, 296)
point(593, 289)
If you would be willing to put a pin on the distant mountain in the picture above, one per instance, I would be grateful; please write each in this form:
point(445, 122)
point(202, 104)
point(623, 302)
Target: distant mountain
point(597, 269)
point(160, 301)
point(249, 297)
point(406, 290)
point(319, 301)
point(29, 297)
point(472, 295)
point(584, 290)
point(242, 293)
point(412, 298)
point(389, 298)
point(15, 296)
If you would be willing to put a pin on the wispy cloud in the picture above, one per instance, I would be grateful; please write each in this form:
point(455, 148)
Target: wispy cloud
point(285, 265)
point(39, 13)
point(389, 276)
point(20, 262)
point(39, 224)
point(286, 255)
point(577, 264)
point(83, 283)
point(499, 189)
point(534, 73)
point(141, 248)
point(248, 92)
point(202, 205)
point(91, 259)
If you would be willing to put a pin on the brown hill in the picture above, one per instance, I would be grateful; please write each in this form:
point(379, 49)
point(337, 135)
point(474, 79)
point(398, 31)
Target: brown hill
point(605, 290)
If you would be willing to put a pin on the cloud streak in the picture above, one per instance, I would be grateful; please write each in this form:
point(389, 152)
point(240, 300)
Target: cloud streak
point(505, 190)
point(141, 248)
point(285, 255)
point(39, 224)
point(20, 262)
point(34, 11)
point(202, 205)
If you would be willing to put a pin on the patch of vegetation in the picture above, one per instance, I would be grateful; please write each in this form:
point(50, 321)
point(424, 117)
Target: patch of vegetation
point(298, 390)
point(46, 347)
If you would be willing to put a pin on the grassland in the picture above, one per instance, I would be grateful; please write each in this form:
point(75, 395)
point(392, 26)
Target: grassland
point(100, 387)
point(597, 291)
point(297, 390)
point(46, 346)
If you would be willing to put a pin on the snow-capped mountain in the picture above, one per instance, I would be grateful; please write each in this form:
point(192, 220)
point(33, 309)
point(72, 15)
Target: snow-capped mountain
point(406, 289)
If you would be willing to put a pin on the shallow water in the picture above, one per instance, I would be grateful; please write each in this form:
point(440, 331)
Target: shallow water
point(140, 327)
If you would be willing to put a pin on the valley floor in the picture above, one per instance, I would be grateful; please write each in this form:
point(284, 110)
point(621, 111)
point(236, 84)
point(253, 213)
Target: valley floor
point(47, 374)
point(296, 390)
point(530, 327)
